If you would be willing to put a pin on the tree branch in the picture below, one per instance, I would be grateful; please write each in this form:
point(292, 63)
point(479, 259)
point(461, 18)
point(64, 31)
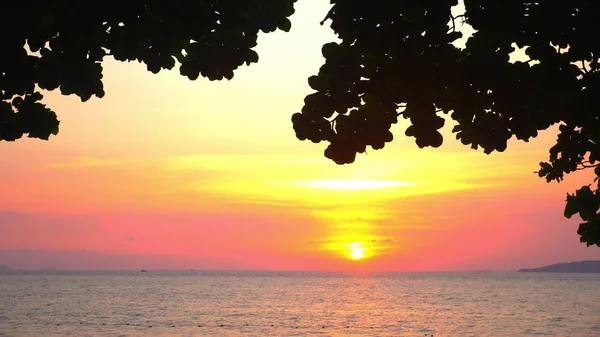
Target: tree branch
point(453, 20)
point(586, 165)
point(328, 16)
point(585, 70)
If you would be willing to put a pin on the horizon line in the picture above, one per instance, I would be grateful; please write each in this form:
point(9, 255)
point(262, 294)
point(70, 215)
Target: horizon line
point(263, 270)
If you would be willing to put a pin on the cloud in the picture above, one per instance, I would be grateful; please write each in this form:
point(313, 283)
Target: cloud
point(40, 223)
point(372, 241)
point(93, 260)
point(382, 241)
point(83, 162)
point(21, 230)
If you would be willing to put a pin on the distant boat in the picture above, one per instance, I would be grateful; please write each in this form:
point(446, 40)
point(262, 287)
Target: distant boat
point(143, 271)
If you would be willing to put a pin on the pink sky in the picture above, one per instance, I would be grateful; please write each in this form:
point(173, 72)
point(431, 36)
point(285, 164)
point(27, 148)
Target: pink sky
point(167, 173)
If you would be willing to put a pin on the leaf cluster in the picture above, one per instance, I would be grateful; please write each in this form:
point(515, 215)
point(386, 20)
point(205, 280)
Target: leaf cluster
point(61, 44)
point(399, 59)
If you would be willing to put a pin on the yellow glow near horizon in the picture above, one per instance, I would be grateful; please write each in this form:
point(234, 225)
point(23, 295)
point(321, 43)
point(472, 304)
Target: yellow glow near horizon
point(362, 184)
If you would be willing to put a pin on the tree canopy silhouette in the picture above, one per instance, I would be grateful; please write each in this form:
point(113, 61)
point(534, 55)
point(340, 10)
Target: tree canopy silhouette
point(61, 44)
point(396, 59)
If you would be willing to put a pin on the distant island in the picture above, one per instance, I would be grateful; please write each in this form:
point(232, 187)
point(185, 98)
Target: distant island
point(569, 267)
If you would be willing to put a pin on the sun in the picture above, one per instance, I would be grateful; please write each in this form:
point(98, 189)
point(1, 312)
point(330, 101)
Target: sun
point(357, 251)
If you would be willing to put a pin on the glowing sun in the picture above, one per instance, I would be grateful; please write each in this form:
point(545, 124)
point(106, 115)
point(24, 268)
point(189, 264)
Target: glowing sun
point(357, 252)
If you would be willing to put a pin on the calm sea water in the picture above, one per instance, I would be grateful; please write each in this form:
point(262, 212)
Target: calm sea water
point(298, 304)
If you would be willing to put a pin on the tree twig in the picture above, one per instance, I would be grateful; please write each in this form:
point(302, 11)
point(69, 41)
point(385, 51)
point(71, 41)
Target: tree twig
point(584, 166)
point(328, 16)
point(585, 70)
point(453, 20)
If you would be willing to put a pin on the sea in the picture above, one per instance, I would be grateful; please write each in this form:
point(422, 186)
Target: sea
point(236, 303)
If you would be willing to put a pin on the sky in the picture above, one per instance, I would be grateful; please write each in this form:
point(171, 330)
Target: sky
point(166, 173)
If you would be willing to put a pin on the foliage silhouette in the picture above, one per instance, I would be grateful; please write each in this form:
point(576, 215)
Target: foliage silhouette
point(61, 44)
point(395, 59)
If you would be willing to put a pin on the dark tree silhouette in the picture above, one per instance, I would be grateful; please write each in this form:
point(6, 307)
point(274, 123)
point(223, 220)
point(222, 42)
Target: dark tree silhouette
point(61, 44)
point(395, 59)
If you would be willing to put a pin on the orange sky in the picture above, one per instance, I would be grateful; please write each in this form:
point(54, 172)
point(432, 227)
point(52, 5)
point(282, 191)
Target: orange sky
point(168, 173)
